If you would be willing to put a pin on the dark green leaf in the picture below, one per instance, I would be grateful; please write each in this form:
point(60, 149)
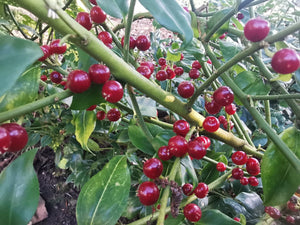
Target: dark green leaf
point(179, 220)
point(252, 203)
point(213, 216)
point(19, 195)
point(85, 60)
point(103, 198)
point(297, 77)
point(209, 173)
point(215, 19)
point(280, 179)
point(162, 139)
point(46, 140)
point(15, 56)
point(139, 139)
point(115, 8)
point(187, 164)
point(229, 49)
point(154, 129)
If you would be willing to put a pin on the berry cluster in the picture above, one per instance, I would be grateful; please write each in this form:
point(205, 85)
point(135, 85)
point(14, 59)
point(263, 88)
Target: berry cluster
point(142, 42)
point(166, 71)
point(55, 47)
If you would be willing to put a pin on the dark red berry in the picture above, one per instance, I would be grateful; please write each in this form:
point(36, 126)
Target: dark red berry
point(145, 71)
point(105, 37)
point(181, 127)
point(93, 2)
point(5, 140)
point(178, 146)
point(273, 212)
point(91, 108)
point(178, 71)
point(142, 43)
point(56, 77)
point(99, 73)
point(186, 89)
point(192, 212)
point(223, 96)
point(18, 136)
point(240, 16)
point(112, 91)
point(244, 181)
point(97, 15)
point(291, 206)
point(196, 149)
point(194, 73)
point(64, 83)
point(221, 166)
point(230, 109)
point(239, 158)
point(201, 190)
point(78, 81)
point(252, 166)
point(211, 124)
point(56, 48)
point(84, 19)
point(187, 189)
point(181, 56)
point(253, 181)
point(46, 52)
point(149, 65)
point(161, 75)
point(162, 61)
point(212, 107)
point(237, 173)
point(44, 78)
point(171, 73)
point(148, 193)
point(164, 153)
point(131, 42)
point(100, 115)
point(290, 219)
point(113, 115)
point(153, 168)
point(222, 119)
point(225, 124)
point(256, 29)
point(204, 140)
point(196, 65)
point(285, 61)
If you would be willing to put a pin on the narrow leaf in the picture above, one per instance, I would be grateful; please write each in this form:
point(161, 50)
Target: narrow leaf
point(139, 139)
point(115, 8)
point(213, 216)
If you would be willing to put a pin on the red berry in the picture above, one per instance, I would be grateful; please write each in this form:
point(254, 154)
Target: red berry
point(212, 107)
point(99, 73)
point(252, 166)
point(105, 37)
point(178, 146)
point(196, 149)
point(93, 2)
point(253, 181)
point(256, 29)
point(5, 140)
point(46, 51)
point(222, 119)
point(237, 219)
point(84, 19)
point(153, 168)
point(196, 65)
point(181, 56)
point(145, 71)
point(230, 109)
point(178, 71)
point(201, 190)
point(240, 16)
point(244, 181)
point(225, 124)
point(112, 91)
point(18, 136)
point(204, 140)
point(221, 166)
point(285, 61)
point(222, 36)
point(194, 73)
point(64, 83)
point(290, 219)
point(171, 73)
point(164, 153)
point(149, 65)
point(187, 189)
point(44, 78)
point(113, 115)
point(211, 124)
point(209, 61)
point(56, 77)
point(273, 212)
point(239, 158)
point(142, 43)
point(131, 43)
point(56, 48)
point(223, 96)
point(97, 15)
point(162, 61)
point(100, 115)
point(91, 108)
point(186, 89)
point(181, 127)
point(291, 206)
point(161, 75)
point(78, 81)
point(192, 212)
point(237, 173)
point(148, 193)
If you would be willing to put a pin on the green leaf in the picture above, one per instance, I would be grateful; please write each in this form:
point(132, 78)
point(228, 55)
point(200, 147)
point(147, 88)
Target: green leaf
point(179, 220)
point(252, 203)
point(139, 139)
point(103, 198)
point(213, 216)
point(115, 8)
point(283, 77)
point(209, 173)
point(162, 138)
point(229, 49)
point(173, 56)
point(280, 179)
point(195, 24)
point(19, 195)
point(172, 16)
point(85, 60)
point(24, 91)
point(187, 164)
point(15, 56)
point(147, 106)
point(216, 18)
point(85, 122)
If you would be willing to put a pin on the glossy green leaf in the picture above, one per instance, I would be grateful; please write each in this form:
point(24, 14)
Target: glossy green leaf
point(85, 60)
point(280, 179)
point(139, 139)
point(103, 198)
point(84, 122)
point(209, 173)
point(252, 203)
point(115, 8)
point(147, 106)
point(216, 18)
point(188, 169)
point(172, 16)
point(162, 138)
point(179, 220)
point(229, 49)
point(213, 216)
point(24, 91)
point(19, 195)
point(15, 56)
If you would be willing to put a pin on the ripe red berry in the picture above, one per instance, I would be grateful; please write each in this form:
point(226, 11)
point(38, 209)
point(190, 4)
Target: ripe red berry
point(100, 115)
point(97, 15)
point(84, 19)
point(222, 36)
point(223, 96)
point(244, 181)
point(164, 153)
point(56, 48)
point(239, 158)
point(99, 73)
point(285, 61)
point(225, 124)
point(112, 91)
point(273, 212)
point(221, 166)
point(230, 109)
point(194, 73)
point(181, 56)
point(145, 71)
point(44, 78)
point(222, 119)
point(18, 136)
point(105, 37)
point(181, 127)
point(237, 219)
point(153, 168)
point(162, 61)
point(78, 81)
point(252, 166)
point(171, 73)
point(187, 189)
point(149, 65)
point(148, 193)
point(253, 181)
point(5, 140)
point(186, 89)
point(212, 107)
point(201, 190)
point(240, 16)
point(196, 65)
point(131, 42)
point(209, 61)
point(46, 51)
point(192, 212)
point(204, 140)
point(237, 173)
point(178, 71)
point(178, 146)
point(93, 2)
point(91, 108)
point(64, 83)
point(196, 149)
point(211, 124)
point(142, 43)
point(256, 29)
point(161, 75)
point(290, 219)
point(56, 77)
point(113, 115)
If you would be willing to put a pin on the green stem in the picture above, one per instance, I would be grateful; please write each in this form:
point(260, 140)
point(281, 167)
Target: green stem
point(24, 109)
point(268, 115)
point(135, 17)
point(192, 5)
point(127, 29)
point(275, 97)
point(241, 126)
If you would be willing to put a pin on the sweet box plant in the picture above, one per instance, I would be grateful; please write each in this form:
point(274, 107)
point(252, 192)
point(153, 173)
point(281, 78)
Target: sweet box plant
point(201, 127)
